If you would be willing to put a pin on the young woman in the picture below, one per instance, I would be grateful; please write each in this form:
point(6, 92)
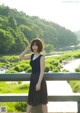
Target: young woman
point(37, 90)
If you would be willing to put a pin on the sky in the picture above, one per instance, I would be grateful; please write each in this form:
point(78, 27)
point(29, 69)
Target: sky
point(63, 12)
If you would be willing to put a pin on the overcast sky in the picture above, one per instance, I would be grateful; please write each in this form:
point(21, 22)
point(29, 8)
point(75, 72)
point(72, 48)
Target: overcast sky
point(63, 12)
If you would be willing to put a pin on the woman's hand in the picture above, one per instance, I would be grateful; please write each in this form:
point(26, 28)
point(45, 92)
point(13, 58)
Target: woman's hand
point(28, 48)
point(38, 86)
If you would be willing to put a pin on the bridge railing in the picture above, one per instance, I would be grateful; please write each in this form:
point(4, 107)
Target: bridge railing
point(49, 77)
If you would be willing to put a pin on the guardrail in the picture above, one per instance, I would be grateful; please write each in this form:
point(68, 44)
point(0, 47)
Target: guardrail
point(48, 76)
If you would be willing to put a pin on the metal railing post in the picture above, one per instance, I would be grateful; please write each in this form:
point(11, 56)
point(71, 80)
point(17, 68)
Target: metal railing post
point(78, 107)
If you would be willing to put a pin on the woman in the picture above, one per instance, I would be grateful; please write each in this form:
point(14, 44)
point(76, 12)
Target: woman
point(37, 90)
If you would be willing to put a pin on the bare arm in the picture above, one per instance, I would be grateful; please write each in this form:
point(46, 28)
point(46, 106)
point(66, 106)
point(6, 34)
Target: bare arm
point(23, 56)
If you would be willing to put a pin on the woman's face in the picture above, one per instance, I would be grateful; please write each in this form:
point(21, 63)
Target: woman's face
point(35, 48)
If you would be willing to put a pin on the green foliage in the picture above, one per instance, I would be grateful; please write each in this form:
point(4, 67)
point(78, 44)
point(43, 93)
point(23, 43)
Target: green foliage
point(49, 48)
point(9, 62)
point(6, 41)
point(28, 70)
point(11, 71)
point(47, 68)
point(67, 56)
point(15, 106)
point(12, 22)
point(75, 86)
point(23, 66)
point(23, 87)
point(2, 64)
point(52, 64)
point(13, 87)
point(26, 67)
point(17, 29)
point(9, 105)
point(19, 68)
point(64, 70)
point(55, 69)
point(21, 106)
point(77, 69)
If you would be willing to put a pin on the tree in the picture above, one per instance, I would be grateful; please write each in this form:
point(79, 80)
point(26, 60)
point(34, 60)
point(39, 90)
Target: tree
point(6, 41)
point(12, 22)
point(49, 48)
point(19, 43)
point(23, 28)
point(26, 30)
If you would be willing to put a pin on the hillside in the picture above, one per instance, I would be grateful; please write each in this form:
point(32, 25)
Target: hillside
point(17, 29)
point(78, 34)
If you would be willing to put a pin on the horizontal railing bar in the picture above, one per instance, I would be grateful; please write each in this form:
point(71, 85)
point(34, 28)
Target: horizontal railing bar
point(63, 76)
point(24, 97)
point(13, 97)
point(48, 76)
point(15, 77)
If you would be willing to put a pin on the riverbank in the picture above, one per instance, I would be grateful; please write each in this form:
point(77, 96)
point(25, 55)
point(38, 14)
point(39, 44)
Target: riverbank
point(71, 65)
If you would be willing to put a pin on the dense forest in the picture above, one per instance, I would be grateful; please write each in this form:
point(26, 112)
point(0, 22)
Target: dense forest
point(17, 29)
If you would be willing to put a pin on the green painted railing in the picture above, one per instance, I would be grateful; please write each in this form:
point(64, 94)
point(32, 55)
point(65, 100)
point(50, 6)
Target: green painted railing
point(48, 76)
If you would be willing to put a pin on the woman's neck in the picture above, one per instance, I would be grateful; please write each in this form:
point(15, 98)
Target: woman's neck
point(36, 53)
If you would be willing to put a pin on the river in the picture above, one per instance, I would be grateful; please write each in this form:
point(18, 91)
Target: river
point(71, 65)
point(61, 87)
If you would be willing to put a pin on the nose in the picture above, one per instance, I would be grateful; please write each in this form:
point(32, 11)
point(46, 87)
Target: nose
point(34, 46)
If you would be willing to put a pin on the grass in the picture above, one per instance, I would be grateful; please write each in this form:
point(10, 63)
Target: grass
point(13, 87)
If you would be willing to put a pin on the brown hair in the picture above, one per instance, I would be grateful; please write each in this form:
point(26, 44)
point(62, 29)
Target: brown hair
point(38, 42)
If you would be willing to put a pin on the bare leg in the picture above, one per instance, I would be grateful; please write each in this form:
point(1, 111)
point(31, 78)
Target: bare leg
point(44, 108)
point(29, 107)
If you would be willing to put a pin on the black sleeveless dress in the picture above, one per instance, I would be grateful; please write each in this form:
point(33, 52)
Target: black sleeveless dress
point(37, 97)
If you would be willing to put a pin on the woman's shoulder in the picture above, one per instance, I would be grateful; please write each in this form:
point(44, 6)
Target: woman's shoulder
point(32, 55)
point(42, 56)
